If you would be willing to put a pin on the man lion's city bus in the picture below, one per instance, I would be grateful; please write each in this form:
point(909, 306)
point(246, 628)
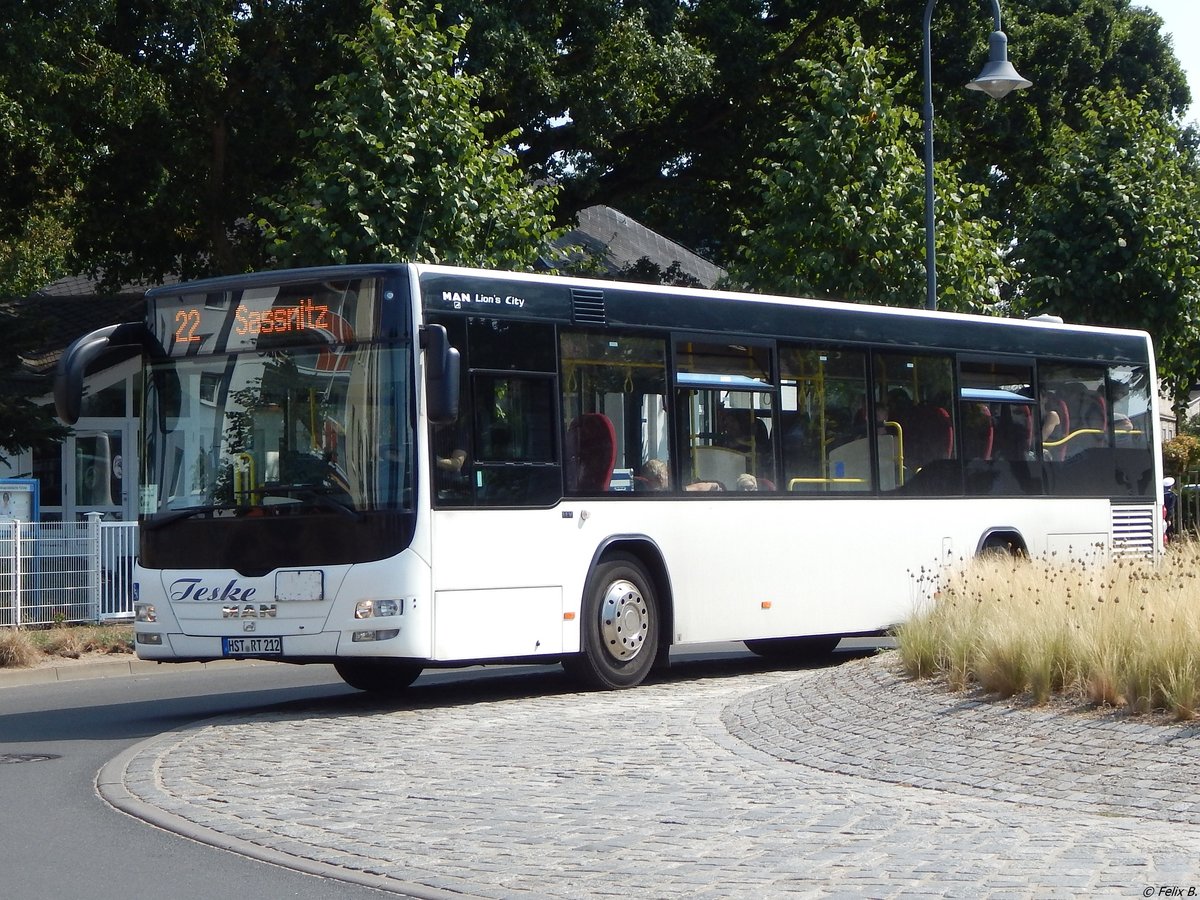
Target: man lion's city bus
point(394, 467)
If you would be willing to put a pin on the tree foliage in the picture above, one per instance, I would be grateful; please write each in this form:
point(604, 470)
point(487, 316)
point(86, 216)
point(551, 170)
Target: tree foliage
point(22, 422)
point(1112, 229)
point(397, 166)
point(841, 211)
point(146, 140)
point(145, 130)
point(1181, 455)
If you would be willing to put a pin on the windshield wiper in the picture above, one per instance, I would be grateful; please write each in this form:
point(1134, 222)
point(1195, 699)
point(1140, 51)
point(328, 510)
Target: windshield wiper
point(305, 496)
point(311, 495)
point(176, 515)
point(320, 497)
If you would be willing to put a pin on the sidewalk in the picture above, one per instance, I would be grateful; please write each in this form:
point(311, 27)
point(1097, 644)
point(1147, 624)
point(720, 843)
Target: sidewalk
point(106, 667)
point(844, 781)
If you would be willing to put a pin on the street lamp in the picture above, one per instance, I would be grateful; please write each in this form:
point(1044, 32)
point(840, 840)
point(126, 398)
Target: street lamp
point(997, 79)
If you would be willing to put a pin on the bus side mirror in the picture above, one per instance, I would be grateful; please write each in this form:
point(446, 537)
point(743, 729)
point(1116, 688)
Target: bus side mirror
point(126, 339)
point(442, 368)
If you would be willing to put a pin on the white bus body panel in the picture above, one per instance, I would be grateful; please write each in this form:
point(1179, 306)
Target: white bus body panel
point(509, 583)
point(510, 622)
point(318, 623)
point(738, 569)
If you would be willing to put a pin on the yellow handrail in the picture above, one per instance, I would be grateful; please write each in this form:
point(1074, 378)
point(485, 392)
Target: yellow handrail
point(792, 483)
point(899, 450)
point(1073, 435)
point(243, 478)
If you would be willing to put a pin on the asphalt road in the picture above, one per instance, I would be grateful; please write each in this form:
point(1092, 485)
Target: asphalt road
point(60, 841)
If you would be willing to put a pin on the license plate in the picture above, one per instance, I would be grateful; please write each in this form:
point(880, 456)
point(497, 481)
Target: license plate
point(255, 646)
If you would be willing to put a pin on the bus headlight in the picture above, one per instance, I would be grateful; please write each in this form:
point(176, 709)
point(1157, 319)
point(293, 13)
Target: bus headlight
point(145, 612)
point(366, 609)
point(144, 637)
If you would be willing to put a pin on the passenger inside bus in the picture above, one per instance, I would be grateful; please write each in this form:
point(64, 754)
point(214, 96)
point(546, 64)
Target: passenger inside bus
point(654, 476)
point(453, 462)
point(1051, 420)
point(744, 432)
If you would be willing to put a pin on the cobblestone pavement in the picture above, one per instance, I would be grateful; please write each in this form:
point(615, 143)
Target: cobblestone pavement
point(844, 781)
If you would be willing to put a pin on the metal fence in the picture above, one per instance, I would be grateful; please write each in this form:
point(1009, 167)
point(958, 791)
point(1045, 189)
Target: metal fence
point(59, 572)
point(1184, 509)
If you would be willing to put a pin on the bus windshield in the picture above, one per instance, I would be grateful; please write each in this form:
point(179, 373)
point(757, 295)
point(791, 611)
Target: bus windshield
point(306, 428)
point(275, 433)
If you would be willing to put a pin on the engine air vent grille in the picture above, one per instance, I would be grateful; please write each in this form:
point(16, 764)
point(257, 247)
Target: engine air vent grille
point(589, 306)
point(1133, 530)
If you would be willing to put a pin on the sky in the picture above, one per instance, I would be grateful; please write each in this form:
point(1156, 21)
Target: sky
point(1181, 19)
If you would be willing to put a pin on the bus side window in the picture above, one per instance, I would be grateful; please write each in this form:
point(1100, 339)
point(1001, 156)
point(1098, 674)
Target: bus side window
point(450, 445)
point(1080, 458)
point(516, 463)
point(824, 438)
point(724, 413)
point(1000, 428)
point(613, 391)
point(917, 438)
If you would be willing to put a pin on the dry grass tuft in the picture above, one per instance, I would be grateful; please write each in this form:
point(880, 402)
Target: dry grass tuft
point(1125, 634)
point(16, 651)
point(26, 647)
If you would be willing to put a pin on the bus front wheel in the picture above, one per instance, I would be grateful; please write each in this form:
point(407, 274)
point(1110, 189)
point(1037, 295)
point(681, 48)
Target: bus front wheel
point(620, 624)
point(377, 676)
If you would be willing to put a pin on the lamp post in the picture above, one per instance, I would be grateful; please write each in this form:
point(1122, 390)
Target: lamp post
point(997, 79)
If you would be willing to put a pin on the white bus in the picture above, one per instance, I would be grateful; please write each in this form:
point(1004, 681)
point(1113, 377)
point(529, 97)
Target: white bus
point(400, 466)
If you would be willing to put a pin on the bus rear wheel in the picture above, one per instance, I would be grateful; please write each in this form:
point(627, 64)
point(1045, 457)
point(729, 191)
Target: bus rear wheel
point(620, 626)
point(798, 648)
point(378, 676)
point(1002, 544)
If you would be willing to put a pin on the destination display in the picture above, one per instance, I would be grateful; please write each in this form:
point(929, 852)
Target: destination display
point(193, 324)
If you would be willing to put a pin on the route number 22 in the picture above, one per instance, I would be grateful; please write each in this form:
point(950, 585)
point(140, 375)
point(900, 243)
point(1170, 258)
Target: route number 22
point(187, 323)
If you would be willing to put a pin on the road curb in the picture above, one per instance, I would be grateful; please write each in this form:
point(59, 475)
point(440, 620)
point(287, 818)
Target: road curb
point(112, 669)
point(112, 788)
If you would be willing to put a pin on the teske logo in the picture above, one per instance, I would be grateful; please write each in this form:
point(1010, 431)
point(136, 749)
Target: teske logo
point(192, 589)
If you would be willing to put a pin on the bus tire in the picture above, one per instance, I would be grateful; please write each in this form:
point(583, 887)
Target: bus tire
point(620, 624)
point(1002, 544)
point(378, 676)
point(797, 648)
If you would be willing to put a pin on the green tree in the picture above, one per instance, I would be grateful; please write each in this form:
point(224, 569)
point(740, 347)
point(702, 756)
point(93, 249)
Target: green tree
point(1113, 227)
point(58, 80)
point(143, 132)
point(1181, 454)
point(35, 254)
point(23, 423)
point(718, 80)
point(841, 200)
point(399, 167)
point(135, 135)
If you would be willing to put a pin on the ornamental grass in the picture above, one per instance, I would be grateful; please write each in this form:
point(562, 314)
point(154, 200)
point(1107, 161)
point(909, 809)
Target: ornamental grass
point(25, 647)
point(1120, 634)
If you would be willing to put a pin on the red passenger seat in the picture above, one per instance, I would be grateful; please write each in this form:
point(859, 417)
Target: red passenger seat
point(591, 453)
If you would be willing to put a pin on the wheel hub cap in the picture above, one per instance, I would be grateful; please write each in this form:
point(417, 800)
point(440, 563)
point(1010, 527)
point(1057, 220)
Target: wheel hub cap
point(624, 620)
